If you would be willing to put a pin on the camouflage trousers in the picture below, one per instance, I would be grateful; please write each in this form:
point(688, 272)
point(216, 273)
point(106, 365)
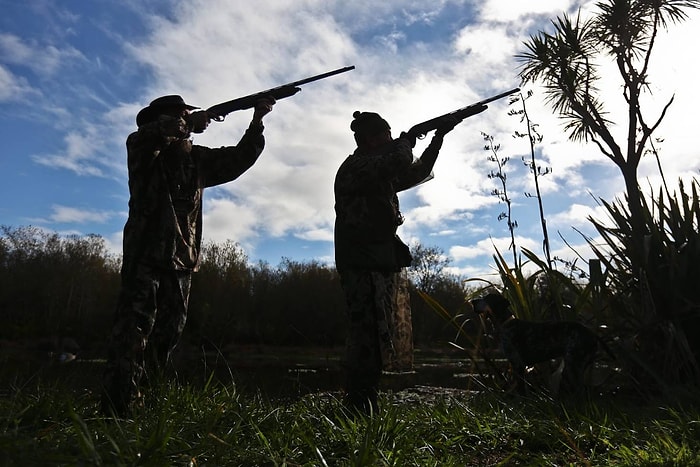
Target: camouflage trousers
point(148, 322)
point(377, 339)
point(401, 327)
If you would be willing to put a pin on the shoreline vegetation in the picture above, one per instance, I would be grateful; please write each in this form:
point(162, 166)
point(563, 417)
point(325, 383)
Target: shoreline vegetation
point(50, 417)
point(218, 425)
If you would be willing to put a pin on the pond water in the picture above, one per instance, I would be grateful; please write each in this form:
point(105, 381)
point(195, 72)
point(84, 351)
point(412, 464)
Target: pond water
point(272, 372)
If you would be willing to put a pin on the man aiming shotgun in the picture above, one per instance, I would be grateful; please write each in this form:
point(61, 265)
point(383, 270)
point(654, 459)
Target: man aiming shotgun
point(162, 236)
point(369, 255)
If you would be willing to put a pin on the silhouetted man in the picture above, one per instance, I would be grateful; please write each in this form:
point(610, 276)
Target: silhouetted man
point(162, 236)
point(368, 253)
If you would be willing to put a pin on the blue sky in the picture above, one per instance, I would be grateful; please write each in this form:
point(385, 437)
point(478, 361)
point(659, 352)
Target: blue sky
point(73, 75)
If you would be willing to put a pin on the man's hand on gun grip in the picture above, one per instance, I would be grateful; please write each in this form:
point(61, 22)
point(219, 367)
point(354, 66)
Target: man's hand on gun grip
point(198, 121)
point(408, 137)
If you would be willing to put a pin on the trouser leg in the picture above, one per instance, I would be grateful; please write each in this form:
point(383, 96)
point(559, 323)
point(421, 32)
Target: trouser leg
point(133, 323)
point(400, 325)
point(369, 336)
point(173, 296)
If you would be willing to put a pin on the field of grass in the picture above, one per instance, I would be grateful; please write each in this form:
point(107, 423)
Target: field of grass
point(218, 425)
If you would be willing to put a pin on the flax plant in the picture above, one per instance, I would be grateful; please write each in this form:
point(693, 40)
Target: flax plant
point(533, 137)
point(662, 326)
point(502, 192)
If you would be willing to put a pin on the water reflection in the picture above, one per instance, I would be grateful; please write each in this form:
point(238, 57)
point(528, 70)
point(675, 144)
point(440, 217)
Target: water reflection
point(273, 373)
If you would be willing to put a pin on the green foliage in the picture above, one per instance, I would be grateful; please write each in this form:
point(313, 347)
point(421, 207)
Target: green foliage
point(567, 61)
point(502, 192)
point(534, 137)
point(659, 311)
point(217, 425)
point(650, 254)
point(544, 294)
point(653, 318)
point(427, 269)
point(55, 287)
point(431, 286)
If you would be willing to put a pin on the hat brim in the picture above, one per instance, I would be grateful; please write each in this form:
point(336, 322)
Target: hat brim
point(149, 114)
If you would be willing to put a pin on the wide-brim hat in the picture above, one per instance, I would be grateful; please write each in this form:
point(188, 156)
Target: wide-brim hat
point(159, 105)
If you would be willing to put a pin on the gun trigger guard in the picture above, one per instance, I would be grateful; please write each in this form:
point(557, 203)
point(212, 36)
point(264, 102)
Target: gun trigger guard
point(218, 118)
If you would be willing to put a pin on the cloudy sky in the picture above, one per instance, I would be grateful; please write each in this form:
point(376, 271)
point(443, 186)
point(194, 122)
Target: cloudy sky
point(73, 75)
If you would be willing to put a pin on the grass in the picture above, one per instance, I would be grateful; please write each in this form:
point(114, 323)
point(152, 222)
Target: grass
point(218, 425)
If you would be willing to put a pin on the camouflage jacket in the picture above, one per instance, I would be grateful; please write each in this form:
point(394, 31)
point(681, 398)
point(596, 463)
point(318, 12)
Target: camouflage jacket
point(167, 175)
point(367, 205)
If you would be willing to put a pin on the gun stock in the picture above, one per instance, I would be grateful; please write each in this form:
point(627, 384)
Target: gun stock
point(423, 128)
point(219, 111)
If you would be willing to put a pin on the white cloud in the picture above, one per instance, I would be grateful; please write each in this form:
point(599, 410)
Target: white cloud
point(67, 214)
point(315, 235)
point(218, 51)
point(489, 247)
point(43, 59)
point(516, 11)
point(576, 215)
point(226, 219)
point(81, 154)
point(363, 15)
point(214, 50)
point(488, 45)
point(14, 88)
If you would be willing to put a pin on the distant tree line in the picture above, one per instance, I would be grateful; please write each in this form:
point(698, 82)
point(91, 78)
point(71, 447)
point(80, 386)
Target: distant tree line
point(67, 286)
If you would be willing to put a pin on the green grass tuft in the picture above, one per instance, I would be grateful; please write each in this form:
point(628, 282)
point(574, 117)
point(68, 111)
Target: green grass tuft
point(217, 425)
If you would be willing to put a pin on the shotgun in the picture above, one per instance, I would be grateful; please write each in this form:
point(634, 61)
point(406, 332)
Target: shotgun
point(219, 111)
point(421, 129)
